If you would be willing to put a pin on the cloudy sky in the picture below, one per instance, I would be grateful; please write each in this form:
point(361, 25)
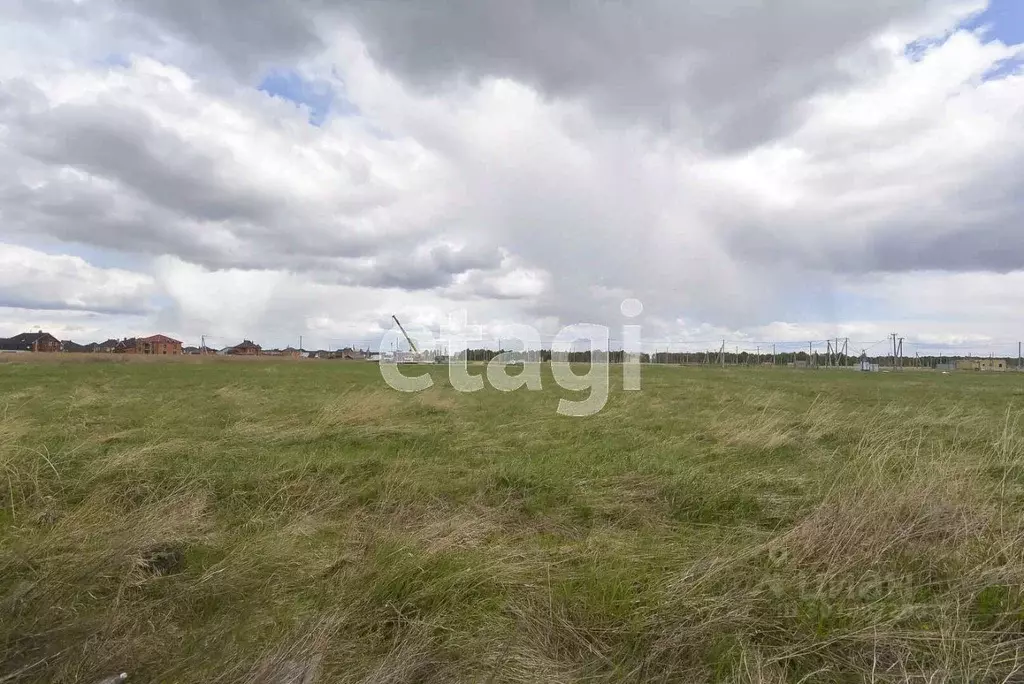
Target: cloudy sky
point(310, 167)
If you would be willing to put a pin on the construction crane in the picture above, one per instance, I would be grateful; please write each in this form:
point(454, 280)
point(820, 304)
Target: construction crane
point(408, 339)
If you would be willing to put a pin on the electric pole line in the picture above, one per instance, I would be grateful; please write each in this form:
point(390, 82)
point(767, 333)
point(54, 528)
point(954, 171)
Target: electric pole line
point(722, 354)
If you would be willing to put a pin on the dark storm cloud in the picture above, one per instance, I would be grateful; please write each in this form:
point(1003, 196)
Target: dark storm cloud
point(426, 268)
point(247, 35)
point(727, 71)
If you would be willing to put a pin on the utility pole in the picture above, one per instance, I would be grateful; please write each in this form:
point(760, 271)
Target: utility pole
point(721, 355)
point(900, 354)
point(300, 342)
point(810, 353)
point(894, 351)
point(1018, 356)
point(773, 354)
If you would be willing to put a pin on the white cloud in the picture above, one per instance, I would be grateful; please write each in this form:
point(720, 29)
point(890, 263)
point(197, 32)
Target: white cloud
point(30, 279)
point(497, 182)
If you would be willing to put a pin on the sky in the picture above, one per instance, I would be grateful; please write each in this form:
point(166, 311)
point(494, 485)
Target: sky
point(761, 173)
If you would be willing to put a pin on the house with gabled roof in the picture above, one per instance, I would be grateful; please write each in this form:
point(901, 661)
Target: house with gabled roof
point(105, 347)
point(246, 348)
point(153, 345)
point(31, 342)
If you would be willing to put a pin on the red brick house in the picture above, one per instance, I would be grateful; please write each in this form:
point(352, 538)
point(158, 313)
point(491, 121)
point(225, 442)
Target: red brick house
point(31, 342)
point(246, 348)
point(155, 345)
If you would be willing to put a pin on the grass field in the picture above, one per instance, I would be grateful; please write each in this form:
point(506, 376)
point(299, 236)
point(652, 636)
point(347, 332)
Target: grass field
point(225, 521)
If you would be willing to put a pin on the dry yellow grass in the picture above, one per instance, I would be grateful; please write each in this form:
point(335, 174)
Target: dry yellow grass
point(247, 522)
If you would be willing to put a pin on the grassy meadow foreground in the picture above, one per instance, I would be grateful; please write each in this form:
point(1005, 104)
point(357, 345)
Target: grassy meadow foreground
point(219, 521)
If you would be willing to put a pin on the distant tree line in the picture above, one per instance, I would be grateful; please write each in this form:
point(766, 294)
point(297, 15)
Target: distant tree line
point(714, 357)
point(544, 355)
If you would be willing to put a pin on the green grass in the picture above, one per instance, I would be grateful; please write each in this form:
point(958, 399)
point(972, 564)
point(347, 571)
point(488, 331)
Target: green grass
point(190, 522)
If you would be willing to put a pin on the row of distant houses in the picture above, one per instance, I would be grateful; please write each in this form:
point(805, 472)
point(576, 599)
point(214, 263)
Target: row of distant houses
point(161, 345)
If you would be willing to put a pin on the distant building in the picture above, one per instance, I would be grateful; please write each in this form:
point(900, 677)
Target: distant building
point(31, 342)
point(350, 354)
point(866, 366)
point(105, 347)
point(155, 345)
point(987, 365)
point(68, 346)
point(246, 348)
point(288, 353)
point(408, 357)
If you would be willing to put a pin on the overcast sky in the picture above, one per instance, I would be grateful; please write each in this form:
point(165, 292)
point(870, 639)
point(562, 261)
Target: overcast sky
point(310, 167)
